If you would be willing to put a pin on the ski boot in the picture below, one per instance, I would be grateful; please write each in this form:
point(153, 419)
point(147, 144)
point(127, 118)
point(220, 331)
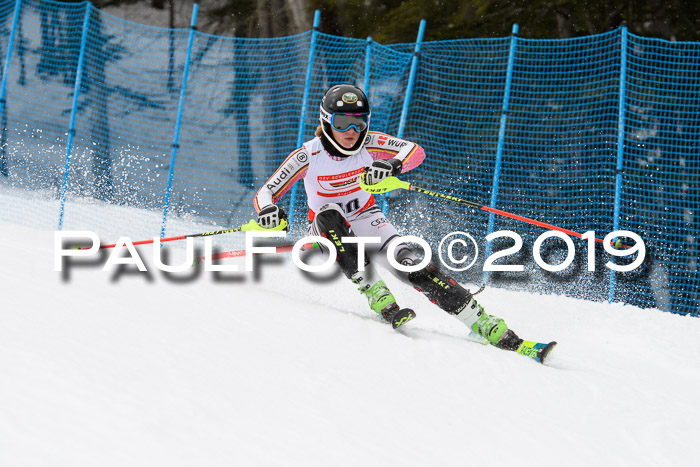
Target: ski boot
point(491, 328)
point(495, 330)
point(383, 302)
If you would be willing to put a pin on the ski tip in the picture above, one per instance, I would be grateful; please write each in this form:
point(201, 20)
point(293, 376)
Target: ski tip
point(544, 351)
point(402, 317)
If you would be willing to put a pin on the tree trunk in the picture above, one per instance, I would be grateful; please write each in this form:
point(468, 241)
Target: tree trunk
point(262, 20)
point(171, 47)
point(562, 25)
point(298, 16)
point(171, 15)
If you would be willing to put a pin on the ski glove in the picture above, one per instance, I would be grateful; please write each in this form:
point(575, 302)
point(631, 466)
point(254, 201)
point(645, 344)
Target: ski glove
point(381, 169)
point(271, 216)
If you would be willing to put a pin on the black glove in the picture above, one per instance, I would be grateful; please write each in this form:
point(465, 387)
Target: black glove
point(271, 216)
point(381, 169)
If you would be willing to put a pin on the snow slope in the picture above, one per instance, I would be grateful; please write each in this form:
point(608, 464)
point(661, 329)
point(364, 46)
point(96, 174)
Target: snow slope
point(274, 369)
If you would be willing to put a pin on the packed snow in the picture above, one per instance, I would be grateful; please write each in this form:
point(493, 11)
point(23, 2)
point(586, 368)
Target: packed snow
point(274, 368)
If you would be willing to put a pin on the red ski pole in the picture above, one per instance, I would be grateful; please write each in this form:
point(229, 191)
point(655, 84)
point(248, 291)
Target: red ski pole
point(393, 183)
point(240, 253)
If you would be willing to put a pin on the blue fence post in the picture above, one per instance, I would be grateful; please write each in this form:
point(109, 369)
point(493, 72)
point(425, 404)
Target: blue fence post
point(178, 121)
point(5, 71)
point(411, 79)
point(409, 91)
point(368, 66)
point(501, 139)
point(304, 101)
point(73, 112)
point(620, 150)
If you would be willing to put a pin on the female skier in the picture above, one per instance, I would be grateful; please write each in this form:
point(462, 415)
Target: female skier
point(330, 165)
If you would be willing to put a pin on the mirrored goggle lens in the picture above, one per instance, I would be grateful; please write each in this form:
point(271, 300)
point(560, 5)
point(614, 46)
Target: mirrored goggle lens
point(343, 122)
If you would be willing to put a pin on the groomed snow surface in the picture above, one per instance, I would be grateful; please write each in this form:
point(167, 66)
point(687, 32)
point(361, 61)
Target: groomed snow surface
point(200, 369)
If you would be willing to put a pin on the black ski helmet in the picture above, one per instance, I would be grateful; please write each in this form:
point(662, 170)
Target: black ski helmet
point(344, 99)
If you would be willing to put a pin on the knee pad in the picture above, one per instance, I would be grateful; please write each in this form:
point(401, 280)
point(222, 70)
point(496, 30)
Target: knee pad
point(332, 218)
point(440, 289)
point(330, 221)
point(405, 255)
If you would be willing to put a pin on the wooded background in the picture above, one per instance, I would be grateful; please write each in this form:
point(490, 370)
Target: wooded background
point(395, 21)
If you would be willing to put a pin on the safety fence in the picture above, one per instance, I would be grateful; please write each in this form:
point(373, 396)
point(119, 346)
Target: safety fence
point(131, 130)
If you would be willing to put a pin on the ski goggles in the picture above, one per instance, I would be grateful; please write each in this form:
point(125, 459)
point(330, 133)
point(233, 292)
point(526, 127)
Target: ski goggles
point(343, 122)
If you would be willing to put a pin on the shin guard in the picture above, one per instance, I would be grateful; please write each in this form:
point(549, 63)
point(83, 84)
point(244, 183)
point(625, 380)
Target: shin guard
point(440, 289)
point(330, 222)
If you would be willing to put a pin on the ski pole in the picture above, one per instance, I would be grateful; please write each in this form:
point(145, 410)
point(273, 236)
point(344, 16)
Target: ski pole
point(393, 183)
point(251, 225)
point(239, 253)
